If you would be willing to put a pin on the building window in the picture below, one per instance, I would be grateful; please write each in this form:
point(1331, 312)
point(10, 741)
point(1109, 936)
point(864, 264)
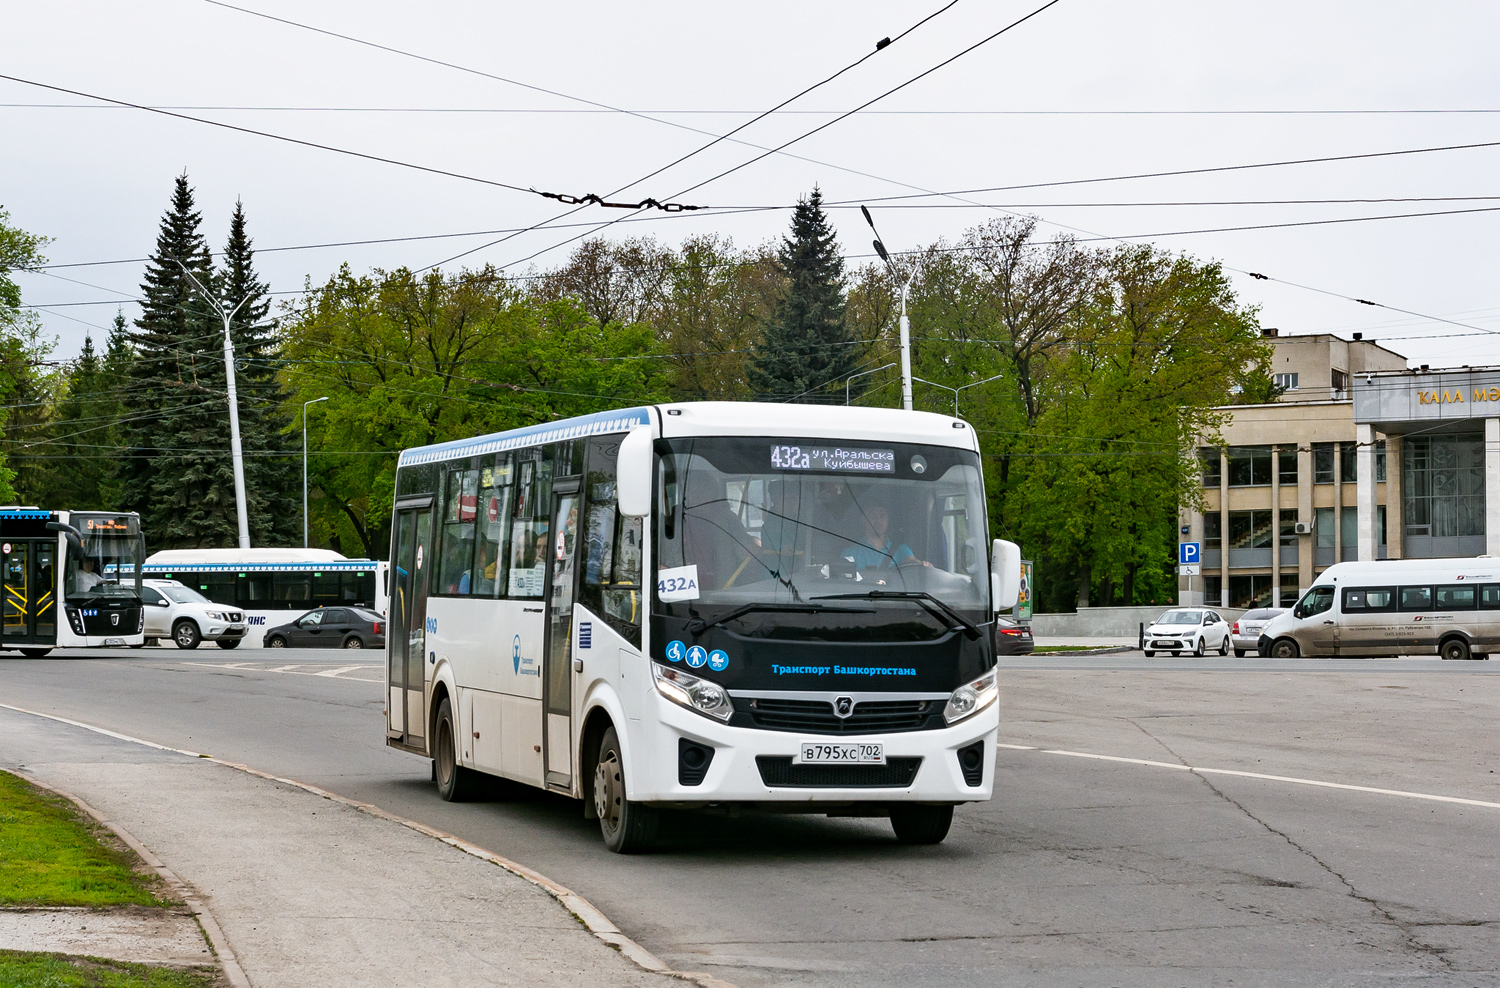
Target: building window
point(1322, 463)
point(1250, 590)
point(1289, 527)
point(1442, 486)
point(1250, 529)
point(1212, 591)
point(1339, 380)
point(1380, 524)
point(1289, 589)
point(1349, 529)
point(1249, 466)
point(1212, 530)
point(1286, 382)
point(1380, 462)
point(1349, 463)
point(1286, 466)
point(1323, 527)
point(1211, 465)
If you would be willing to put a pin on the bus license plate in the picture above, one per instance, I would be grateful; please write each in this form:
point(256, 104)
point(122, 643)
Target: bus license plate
point(826, 753)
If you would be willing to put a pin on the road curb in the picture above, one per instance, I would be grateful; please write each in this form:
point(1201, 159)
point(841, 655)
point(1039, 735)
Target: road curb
point(584, 911)
point(210, 926)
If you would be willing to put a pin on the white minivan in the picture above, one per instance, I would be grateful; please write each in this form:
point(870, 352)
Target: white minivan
point(187, 617)
point(1448, 607)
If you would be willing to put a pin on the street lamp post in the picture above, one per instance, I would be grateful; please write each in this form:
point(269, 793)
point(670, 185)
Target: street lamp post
point(304, 465)
point(905, 324)
point(961, 387)
point(862, 374)
point(234, 407)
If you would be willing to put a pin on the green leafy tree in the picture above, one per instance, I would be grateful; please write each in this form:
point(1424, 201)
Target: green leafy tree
point(807, 350)
point(407, 360)
point(22, 346)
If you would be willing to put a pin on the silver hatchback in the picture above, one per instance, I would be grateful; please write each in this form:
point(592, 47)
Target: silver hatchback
point(1246, 631)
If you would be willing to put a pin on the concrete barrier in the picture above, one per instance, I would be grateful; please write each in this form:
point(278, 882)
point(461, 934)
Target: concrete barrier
point(1102, 622)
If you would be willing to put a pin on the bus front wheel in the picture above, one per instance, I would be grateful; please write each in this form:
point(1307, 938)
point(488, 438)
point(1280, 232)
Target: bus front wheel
point(919, 823)
point(1285, 648)
point(35, 653)
point(1455, 650)
point(628, 827)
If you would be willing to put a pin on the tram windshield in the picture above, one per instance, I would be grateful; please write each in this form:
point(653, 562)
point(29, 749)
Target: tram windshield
point(786, 521)
point(109, 564)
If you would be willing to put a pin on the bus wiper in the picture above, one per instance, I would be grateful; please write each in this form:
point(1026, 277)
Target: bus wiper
point(698, 624)
point(927, 601)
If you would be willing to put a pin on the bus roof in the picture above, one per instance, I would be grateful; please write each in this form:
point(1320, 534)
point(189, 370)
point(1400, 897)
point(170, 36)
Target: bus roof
point(721, 418)
point(1395, 571)
point(229, 557)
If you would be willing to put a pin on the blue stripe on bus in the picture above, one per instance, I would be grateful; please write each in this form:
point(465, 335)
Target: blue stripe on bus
point(621, 420)
point(26, 515)
point(256, 567)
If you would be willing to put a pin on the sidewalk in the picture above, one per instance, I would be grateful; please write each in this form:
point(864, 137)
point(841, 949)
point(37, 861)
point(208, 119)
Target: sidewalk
point(310, 891)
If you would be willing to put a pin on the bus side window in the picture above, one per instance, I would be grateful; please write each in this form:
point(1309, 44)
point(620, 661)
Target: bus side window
point(1380, 599)
point(1416, 598)
point(611, 585)
point(458, 529)
point(528, 539)
point(493, 543)
point(1315, 601)
point(1354, 600)
point(1489, 596)
point(291, 590)
point(1455, 598)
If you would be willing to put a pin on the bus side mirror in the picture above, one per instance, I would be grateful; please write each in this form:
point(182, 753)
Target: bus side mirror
point(1005, 574)
point(633, 473)
point(69, 532)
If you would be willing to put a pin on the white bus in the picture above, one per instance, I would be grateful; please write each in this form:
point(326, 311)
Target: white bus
point(783, 606)
point(89, 559)
point(272, 586)
point(1447, 607)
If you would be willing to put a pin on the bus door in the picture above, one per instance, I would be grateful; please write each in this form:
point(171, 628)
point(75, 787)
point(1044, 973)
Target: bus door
point(557, 675)
point(28, 581)
point(406, 641)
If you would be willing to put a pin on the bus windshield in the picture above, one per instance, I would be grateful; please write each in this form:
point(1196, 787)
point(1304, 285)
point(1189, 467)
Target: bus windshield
point(110, 563)
point(785, 521)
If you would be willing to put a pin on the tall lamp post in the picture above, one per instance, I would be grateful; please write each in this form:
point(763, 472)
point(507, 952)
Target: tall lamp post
point(304, 465)
point(905, 325)
point(961, 387)
point(234, 407)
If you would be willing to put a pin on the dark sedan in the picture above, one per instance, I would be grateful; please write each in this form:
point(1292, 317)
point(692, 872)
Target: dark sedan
point(330, 627)
point(1012, 638)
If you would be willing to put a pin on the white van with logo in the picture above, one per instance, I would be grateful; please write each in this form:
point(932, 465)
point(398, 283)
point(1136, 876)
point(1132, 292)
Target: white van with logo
point(187, 617)
point(1448, 607)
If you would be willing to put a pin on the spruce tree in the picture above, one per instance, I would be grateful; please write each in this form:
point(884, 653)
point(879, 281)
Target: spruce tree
point(79, 428)
point(177, 471)
point(114, 381)
point(807, 349)
point(271, 479)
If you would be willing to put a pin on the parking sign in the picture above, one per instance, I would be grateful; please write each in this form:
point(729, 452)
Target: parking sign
point(1189, 553)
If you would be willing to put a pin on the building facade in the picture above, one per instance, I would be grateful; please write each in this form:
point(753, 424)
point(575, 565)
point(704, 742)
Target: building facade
point(1360, 458)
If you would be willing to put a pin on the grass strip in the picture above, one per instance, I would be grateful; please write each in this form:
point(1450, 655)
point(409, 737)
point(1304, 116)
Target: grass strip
point(51, 854)
point(19, 969)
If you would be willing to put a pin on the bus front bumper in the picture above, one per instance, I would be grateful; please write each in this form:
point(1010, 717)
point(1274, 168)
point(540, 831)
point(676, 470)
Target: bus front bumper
point(750, 765)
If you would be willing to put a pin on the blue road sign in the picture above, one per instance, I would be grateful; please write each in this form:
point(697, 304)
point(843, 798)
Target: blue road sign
point(1189, 553)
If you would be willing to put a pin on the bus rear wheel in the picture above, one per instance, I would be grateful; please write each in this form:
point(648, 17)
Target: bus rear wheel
point(628, 827)
point(455, 783)
point(1285, 648)
point(919, 823)
point(35, 653)
point(1455, 650)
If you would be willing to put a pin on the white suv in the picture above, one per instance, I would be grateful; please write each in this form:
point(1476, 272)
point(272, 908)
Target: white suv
point(187, 617)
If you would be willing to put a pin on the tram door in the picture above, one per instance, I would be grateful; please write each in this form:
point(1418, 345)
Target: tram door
point(558, 673)
point(28, 581)
point(406, 643)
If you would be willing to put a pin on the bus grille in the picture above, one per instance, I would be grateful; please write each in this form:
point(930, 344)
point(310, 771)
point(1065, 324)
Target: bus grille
point(817, 716)
point(778, 771)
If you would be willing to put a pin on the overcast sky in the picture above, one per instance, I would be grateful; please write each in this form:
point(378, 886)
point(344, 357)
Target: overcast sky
point(1086, 89)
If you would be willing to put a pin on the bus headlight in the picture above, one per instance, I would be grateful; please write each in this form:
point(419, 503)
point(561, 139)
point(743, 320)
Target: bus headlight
point(971, 698)
point(689, 691)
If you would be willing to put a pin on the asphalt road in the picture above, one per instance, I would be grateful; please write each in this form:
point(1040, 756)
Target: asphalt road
point(1118, 871)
